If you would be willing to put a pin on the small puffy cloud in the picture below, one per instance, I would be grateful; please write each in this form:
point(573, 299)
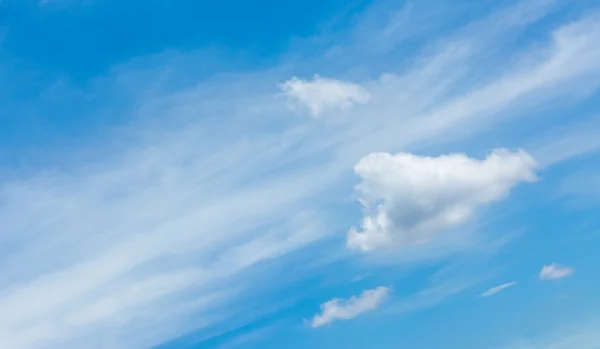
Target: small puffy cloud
point(345, 309)
point(321, 95)
point(555, 271)
point(492, 291)
point(410, 199)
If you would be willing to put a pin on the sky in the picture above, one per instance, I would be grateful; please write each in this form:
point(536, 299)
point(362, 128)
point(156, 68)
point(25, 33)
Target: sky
point(299, 174)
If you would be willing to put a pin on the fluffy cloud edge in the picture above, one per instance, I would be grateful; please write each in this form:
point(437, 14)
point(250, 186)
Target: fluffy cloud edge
point(410, 199)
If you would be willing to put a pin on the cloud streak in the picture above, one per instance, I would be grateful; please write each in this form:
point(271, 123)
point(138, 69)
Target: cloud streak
point(155, 239)
point(346, 309)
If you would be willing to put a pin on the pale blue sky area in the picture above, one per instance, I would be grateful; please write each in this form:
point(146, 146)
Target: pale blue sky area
point(299, 174)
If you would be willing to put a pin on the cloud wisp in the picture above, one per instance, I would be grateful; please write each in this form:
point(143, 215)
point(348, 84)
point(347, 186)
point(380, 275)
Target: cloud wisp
point(155, 240)
point(492, 291)
point(555, 271)
point(346, 309)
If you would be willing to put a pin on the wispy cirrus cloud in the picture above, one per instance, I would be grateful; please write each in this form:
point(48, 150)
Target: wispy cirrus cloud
point(492, 291)
point(345, 309)
point(321, 95)
point(156, 239)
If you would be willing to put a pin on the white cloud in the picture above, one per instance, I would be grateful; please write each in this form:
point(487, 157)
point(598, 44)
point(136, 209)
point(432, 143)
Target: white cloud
point(410, 199)
point(492, 291)
point(181, 208)
point(555, 271)
point(321, 95)
point(345, 309)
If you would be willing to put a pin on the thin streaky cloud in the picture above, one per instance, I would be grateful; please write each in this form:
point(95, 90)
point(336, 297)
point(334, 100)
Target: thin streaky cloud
point(157, 239)
point(492, 291)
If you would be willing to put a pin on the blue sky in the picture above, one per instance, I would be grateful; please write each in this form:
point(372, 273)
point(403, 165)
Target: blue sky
point(299, 174)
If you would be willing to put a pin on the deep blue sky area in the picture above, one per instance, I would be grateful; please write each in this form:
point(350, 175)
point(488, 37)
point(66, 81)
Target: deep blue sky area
point(84, 39)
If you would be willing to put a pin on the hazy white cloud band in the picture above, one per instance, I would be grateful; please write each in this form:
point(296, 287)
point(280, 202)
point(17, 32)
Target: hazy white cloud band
point(152, 241)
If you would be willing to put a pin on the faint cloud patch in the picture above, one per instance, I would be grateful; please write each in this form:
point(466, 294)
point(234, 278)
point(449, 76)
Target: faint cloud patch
point(555, 271)
point(322, 95)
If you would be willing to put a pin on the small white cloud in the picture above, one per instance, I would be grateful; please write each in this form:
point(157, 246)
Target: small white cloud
point(321, 95)
point(492, 291)
point(410, 199)
point(345, 309)
point(555, 271)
